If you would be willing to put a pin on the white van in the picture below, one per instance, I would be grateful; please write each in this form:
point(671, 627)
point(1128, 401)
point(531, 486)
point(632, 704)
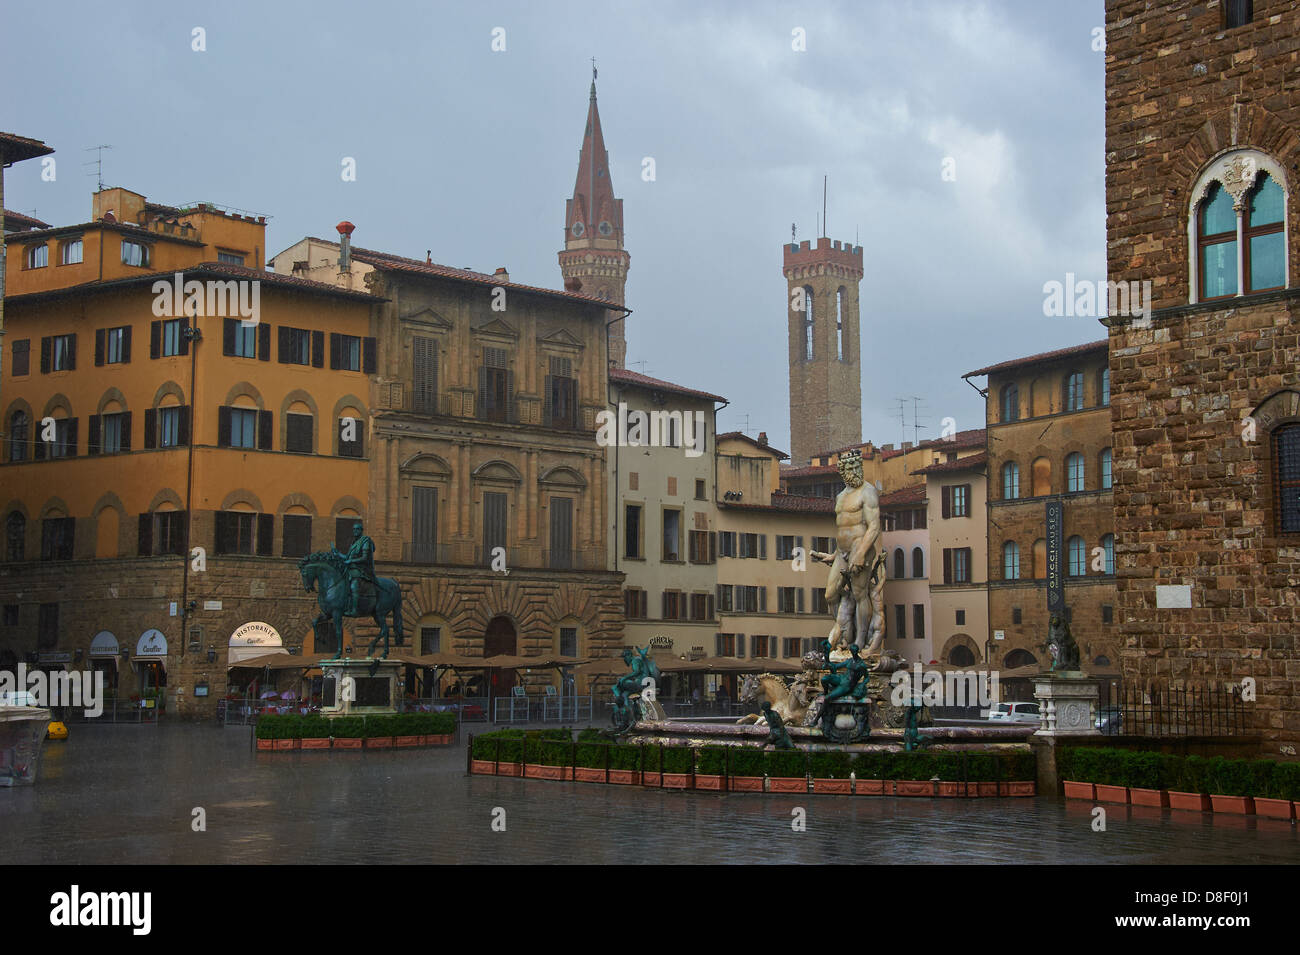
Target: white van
point(1014, 713)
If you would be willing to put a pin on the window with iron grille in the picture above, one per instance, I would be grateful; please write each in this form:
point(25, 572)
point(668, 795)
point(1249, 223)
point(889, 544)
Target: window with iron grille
point(568, 641)
point(1286, 478)
point(431, 639)
point(57, 535)
point(918, 621)
point(900, 621)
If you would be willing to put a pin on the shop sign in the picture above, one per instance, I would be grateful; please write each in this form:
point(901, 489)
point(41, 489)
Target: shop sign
point(152, 644)
point(104, 644)
point(53, 656)
point(661, 642)
point(255, 634)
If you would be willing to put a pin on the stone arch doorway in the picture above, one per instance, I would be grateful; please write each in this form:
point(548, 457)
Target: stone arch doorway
point(500, 637)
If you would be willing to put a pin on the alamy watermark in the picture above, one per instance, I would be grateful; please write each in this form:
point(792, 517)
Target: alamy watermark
point(1082, 299)
point(80, 689)
point(937, 688)
point(235, 298)
point(651, 429)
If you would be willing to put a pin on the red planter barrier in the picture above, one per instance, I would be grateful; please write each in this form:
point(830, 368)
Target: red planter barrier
point(836, 787)
point(1112, 793)
point(1195, 802)
point(1154, 798)
point(1075, 790)
point(1236, 805)
point(1274, 808)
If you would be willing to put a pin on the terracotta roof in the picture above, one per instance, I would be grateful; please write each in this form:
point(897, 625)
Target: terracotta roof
point(740, 435)
point(398, 263)
point(623, 376)
point(22, 222)
point(1046, 356)
point(971, 438)
point(968, 463)
point(16, 148)
point(907, 495)
point(811, 470)
point(787, 503)
point(217, 269)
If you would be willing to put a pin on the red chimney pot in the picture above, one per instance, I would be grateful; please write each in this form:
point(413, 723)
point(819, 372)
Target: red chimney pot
point(345, 227)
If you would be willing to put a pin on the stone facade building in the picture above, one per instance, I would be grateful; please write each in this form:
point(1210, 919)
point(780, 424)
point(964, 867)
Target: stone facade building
point(1202, 158)
point(1049, 439)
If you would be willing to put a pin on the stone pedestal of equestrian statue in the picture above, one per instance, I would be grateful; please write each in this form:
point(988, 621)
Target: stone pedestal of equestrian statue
point(1067, 704)
point(360, 687)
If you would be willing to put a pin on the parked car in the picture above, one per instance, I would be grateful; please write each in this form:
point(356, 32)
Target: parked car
point(17, 698)
point(1014, 713)
point(1110, 720)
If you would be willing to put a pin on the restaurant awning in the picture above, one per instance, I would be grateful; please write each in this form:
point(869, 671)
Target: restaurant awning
point(279, 661)
point(729, 665)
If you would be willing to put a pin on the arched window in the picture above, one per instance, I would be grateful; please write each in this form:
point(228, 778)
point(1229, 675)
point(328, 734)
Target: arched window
point(1018, 658)
point(1010, 561)
point(1265, 249)
point(1040, 559)
point(1042, 477)
point(18, 436)
point(961, 656)
point(1103, 387)
point(1286, 478)
point(900, 564)
point(1010, 481)
point(1217, 244)
point(1010, 402)
point(15, 537)
point(840, 330)
point(1077, 565)
point(1108, 547)
point(1103, 464)
point(808, 322)
point(1074, 472)
point(1074, 391)
point(1237, 226)
point(918, 562)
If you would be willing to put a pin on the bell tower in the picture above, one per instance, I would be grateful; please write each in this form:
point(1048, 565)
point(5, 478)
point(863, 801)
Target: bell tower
point(594, 261)
point(825, 350)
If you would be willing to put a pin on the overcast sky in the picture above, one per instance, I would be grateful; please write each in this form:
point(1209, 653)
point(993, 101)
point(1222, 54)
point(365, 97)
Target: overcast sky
point(472, 153)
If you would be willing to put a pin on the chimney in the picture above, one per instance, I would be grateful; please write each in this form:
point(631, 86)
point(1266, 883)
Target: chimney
point(762, 438)
point(907, 445)
point(428, 256)
point(345, 245)
point(501, 275)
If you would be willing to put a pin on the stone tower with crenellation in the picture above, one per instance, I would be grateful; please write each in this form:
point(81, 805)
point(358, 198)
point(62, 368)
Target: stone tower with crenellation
point(825, 350)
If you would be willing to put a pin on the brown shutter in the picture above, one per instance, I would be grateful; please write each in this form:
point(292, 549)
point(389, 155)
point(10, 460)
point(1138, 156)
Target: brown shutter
point(126, 344)
point(264, 342)
point(150, 428)
point(72, 352)
point(99, 346)
point(126, 431)
point(265, 534)
point(318, 349)
point(155, 339)
point(183, 427)
point(369, 361)
point(144, 536)
point(968, 499)
point(713, 547)
point(482, 391)
point(947, 501)
point(72, 438)
point(183, 344)
point(47, 344)
point(284, 344)
point(947, 565)
point(264, 419)
point(92, 438)
point(223, 427)
point(228, 327)
point(762, 547)
point(334, 351)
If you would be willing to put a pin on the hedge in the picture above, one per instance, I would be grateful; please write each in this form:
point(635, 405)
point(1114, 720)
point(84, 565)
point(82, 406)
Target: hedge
point(593, 748)
point(293, 726)
point(1194, 774)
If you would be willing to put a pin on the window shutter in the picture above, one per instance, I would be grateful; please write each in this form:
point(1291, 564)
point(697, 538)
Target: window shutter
point(717, 644)
point(713, 547)
point(228, 327)
point(264, 419)
point(762, 546)
point(334, 351)
point(709, 606)
point(183, 346)
point(947, 502)
point(99, 346)
point(223, 427)
point(318, 349)
point(150, 428)
point(740, 644)
point(46, 346)
point(72, 352)
point(183, 427)
point(511, 413)
point(967, 499)
point(798, 542)
point(663, 605)
point(799, 604)
point(144, 536)
point(947, 565)
point(369, 361)
point(549, 396)
point(264, 342)
point(155, 339)
point(284, 344)
point(126, 344)
point(72, 438)
point(38, 447)
point(126, 431)
point(92, 436)
point(762, 600)
point(265, 534)
point(482, 391)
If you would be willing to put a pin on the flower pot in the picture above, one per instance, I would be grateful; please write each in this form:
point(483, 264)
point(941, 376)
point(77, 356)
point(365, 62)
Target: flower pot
point(534, 771)
point(1237, 805)
point(508, 769)
point(584, 774)
point(993, 789)
point(437, 739)
point(316, 743)
point(713, 783)
point(481, 766)
point(1112, 793)
point(1077, 790)
point(286, 744)
point(787, 784)
point(1274, 808)
point(266, 743)
point(379, 742)
point(677, 780)
point(914, 787)
point(746, 784)
point(623, 777)
point(833, 787)
point(407, 741)
point(872, 787)
point(1194, 802)
point(1156, 798)
point(649, 779)
point(1021, 788)
point(347, 743)
point(951, 788)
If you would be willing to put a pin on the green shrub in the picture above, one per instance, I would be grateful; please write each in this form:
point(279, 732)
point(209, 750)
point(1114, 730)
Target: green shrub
point(1141, 770)
point(712, 761)
point(787, 764)
point(1284, 781)
point(831, 765)
point(747, 761)
point(868, 765)
point(1191, 776)
point(314, 727)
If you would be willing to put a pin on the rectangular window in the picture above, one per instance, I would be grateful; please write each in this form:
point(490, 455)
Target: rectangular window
point(47, 626)
point(57, 535)
point(632, 531)
point(699, 547)
point(236, 532)
point(171, 337)
point(726, 543)
point(634, 604)
point(65, 439)
point(785, 546)
point(700, 607)
point(345, 352)
point(818, 601)
point(169, 427)
point(243, 428)
point(430, 640)
point(1237, 13)
point(295, 346)
point(297, 535)
point(726, 644)
point(230, 258)
point(244, 344)
point(38, 256)
point(760, 646)
point(11, 615)
point(672, 541)
point(561, 394)
point(786, 599)
point(70, 253)
point(356, 447)
point(961, 618)
point(900, 621)
point(725, 598)
point(115, 347)
point(1107, 613)
point(424, 375)
point(751, 599)
point(673, 604)
point(162, 532)
point(561, 555)
point(424, 525)
point(568, 641)
point(1016, 615)
point(135, 253)
point(22, 357)
point(298, 433)
point(343, 532)
point(824, 545)
point(110, 433)
point(790, 647)
point(753, 545)
point(699, 490)
point(495, 509)
point(63, 353)
point(960, 565)
point(495, 385)
point(918, 621)
point(956, 500)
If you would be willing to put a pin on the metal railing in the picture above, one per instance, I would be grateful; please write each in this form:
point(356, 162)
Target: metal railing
point(115, 710)
point(1189, 711)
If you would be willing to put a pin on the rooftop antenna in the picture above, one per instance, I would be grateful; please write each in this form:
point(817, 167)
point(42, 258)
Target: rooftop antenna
point(98, 163)
point(916, 425)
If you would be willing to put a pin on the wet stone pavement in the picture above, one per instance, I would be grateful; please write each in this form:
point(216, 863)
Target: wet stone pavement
point(125, 794)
